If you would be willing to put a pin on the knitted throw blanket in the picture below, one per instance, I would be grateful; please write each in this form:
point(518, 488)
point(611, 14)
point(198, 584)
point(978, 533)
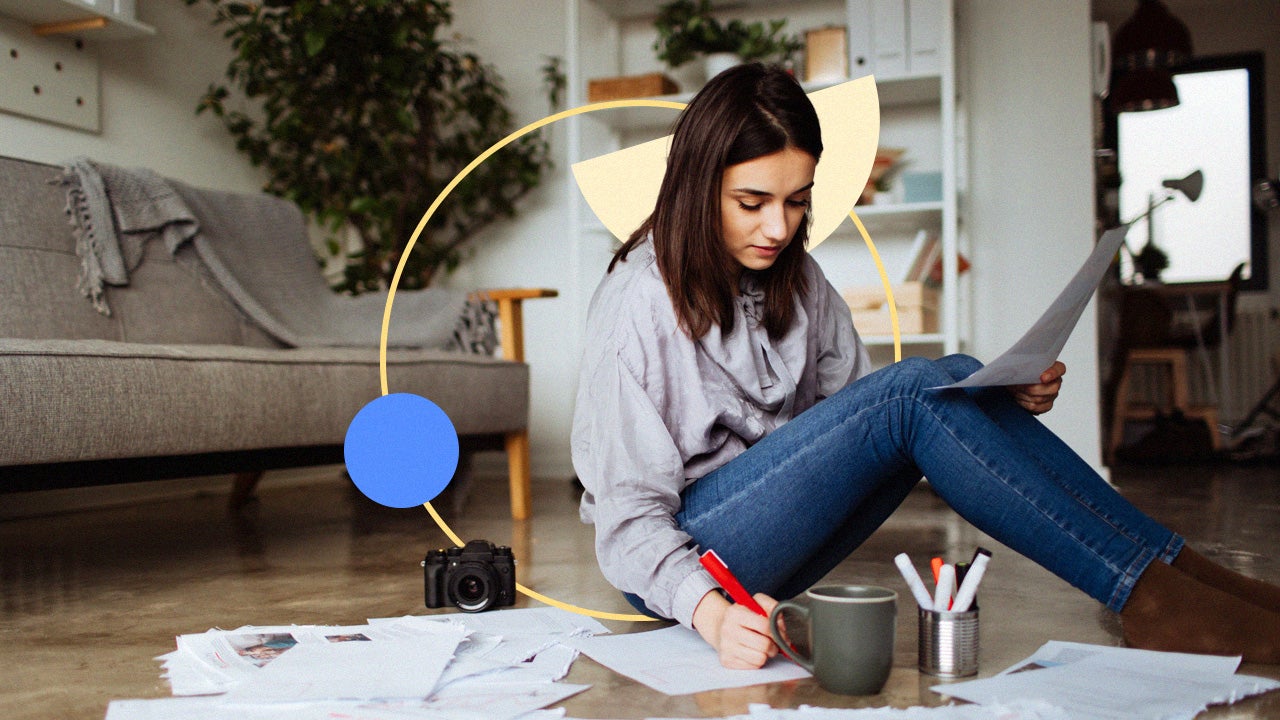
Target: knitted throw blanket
point(113, 213)
point(257, 249)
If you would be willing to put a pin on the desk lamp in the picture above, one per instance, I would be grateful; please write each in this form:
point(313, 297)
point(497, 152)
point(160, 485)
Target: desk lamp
point(1151, 260)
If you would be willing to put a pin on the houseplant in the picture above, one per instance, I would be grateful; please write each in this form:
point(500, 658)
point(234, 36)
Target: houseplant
point(361, 113)
point(687, 32)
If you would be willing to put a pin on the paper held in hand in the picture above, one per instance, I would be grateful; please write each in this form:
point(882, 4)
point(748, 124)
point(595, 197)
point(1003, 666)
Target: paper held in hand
point(1031, 355)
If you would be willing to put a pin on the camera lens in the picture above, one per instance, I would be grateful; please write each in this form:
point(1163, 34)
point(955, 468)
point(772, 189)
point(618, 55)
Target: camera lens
point(472, 588)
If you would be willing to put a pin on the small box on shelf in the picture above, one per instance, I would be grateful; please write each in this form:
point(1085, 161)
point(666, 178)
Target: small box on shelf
point(630, 86)
point(917, 309)
point(826, 55)
point(921, 187)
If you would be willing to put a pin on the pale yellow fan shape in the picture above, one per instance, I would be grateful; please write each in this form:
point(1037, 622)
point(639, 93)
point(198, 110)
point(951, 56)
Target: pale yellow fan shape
point(622, 187)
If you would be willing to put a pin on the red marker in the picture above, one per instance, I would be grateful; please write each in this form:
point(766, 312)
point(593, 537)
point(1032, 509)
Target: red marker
point(714, 565)
point(935, 564)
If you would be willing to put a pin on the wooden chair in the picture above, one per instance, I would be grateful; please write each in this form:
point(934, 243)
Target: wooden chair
point(511, 335)
point(1174, 361)
point(1151, 337)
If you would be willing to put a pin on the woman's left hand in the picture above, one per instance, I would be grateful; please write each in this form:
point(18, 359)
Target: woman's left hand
point(1038, 398)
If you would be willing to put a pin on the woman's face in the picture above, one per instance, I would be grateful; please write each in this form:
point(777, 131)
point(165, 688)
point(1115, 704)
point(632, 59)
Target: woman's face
point(762, 203)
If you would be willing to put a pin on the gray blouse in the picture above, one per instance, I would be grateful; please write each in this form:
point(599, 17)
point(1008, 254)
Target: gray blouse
point(657, 410)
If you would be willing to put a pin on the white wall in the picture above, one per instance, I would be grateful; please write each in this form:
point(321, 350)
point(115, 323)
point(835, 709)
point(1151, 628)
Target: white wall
point(1029, 211)
point(533, 249)
point(150, 88)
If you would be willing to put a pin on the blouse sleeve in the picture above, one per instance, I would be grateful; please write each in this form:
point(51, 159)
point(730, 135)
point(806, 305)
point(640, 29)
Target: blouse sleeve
point(633, 474)
point(842, 358)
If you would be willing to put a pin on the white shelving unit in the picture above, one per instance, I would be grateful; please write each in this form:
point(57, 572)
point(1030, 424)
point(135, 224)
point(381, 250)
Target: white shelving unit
point(918, 112)
point(74, 17)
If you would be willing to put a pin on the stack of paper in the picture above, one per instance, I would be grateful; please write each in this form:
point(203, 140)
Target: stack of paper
point(1097, 682)
point(502, 665)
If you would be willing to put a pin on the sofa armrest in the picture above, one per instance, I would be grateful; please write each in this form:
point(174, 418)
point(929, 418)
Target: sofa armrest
point(511, 316)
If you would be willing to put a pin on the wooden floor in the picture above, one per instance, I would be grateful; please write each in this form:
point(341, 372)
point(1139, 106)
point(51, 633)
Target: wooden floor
point(90, 598)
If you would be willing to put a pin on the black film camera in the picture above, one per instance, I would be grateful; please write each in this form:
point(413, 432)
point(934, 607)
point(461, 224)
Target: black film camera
point(476, 577)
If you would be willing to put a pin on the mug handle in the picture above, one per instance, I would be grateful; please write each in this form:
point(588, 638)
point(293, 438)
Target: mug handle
point(786, 648)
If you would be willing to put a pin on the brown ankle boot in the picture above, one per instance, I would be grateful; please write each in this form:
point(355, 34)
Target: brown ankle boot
point(1171, 610)
point(1257, 592)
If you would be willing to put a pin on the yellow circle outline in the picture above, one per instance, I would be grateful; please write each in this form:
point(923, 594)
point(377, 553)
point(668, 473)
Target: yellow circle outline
point(404, 257)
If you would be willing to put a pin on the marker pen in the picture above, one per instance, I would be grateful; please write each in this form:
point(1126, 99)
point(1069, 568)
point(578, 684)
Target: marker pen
point(714, 565)
point(969, 589)
point(946, 583)
point(913, 580)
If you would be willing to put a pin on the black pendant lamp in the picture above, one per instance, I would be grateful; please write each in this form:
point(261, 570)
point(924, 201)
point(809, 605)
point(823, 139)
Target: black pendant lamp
point(1144, 49)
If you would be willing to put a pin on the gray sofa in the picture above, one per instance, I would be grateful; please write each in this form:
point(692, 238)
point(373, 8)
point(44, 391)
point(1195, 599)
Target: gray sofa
point(177, 382)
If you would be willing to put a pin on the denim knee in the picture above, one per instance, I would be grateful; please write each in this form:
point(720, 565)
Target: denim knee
point(922, 371)
point(960, 366)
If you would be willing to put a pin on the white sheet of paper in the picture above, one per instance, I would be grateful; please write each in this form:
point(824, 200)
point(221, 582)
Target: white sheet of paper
point(677, 661)
point(1109, 685)
point(498, 702)
point(1036, 350)
point(402, 668)
point(219, 709)
point(516, 621)
point(1012, 711)
point(1062, 652)
point(179, 708)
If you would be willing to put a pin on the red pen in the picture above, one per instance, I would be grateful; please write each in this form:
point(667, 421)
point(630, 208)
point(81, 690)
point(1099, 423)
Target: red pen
point(935, 564)
point(714, 565)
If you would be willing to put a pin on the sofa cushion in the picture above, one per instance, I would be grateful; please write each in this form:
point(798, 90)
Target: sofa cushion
point(96, 399)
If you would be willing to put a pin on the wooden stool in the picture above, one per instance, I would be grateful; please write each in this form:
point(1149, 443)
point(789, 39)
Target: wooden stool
point(1179, 396)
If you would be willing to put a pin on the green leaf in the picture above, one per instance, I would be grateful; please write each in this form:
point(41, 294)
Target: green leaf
point(315, 40)
point(364, 205)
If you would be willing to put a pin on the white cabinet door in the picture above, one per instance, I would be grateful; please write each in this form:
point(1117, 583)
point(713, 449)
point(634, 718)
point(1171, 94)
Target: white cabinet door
point(895, 38)
point(889, 37)
point(861, 52)
point(924, 36)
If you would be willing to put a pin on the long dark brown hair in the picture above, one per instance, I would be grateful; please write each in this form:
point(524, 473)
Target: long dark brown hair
point(743, 113)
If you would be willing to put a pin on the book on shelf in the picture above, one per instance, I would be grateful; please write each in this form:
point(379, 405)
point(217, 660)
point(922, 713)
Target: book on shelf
point(925, 249)
point(925, 264)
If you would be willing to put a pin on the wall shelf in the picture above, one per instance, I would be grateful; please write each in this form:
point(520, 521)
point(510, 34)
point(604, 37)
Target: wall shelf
point(896, 92)
point(72, 17)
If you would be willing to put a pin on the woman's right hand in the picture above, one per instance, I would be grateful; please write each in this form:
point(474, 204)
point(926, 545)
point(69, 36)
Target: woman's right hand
point(740, 637)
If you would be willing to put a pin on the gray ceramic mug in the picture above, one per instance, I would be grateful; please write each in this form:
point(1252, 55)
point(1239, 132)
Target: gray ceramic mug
point(850, 631)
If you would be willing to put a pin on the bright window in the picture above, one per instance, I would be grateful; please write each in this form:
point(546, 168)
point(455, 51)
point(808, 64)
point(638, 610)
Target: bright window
point(1212, 129)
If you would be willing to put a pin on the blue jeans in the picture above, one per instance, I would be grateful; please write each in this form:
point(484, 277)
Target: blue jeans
point(790, 508)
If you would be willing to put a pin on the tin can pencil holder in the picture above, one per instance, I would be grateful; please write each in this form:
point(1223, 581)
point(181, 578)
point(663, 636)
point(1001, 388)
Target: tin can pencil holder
point(948, 643)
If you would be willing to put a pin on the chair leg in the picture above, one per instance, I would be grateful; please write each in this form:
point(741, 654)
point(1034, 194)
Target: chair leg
point(517, 444)
point(242, 487)
point(1119, 412)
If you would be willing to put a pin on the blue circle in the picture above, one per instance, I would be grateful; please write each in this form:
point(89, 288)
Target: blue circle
point(401, 450)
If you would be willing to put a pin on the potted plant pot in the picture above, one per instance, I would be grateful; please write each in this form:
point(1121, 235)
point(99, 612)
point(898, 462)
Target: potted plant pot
point(717, 63)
